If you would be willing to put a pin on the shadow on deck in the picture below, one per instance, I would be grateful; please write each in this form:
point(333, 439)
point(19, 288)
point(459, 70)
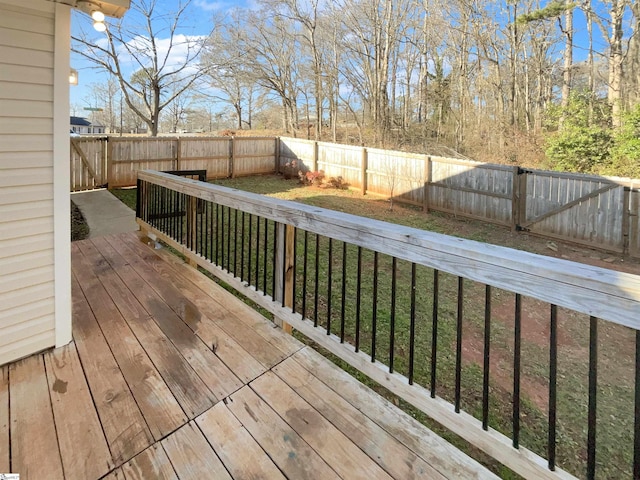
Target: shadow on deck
point(170, 376)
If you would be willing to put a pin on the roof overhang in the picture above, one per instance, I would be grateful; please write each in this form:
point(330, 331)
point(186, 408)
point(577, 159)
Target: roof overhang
point(111, 8)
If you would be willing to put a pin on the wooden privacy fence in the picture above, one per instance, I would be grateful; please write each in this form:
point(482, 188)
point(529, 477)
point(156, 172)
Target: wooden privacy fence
point(600, 212)
point(114, 161)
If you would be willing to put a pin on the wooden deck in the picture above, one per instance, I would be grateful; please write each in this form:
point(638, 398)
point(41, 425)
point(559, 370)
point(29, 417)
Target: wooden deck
point(170, 376)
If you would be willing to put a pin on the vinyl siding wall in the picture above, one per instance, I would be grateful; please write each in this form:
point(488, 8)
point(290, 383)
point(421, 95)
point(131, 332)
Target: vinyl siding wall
point(27, 238)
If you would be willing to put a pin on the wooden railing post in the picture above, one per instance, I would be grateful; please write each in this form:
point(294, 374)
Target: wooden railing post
point(284, 270)
point(363, 171)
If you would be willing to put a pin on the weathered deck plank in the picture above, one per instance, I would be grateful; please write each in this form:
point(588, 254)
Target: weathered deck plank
point(333, 446)
point(32, 424)
point(238, 320)
point(436, 451)
point(396, 459)
point(124, 426)
point(77, 424)
point(300, 417)
point(192, 456)
point(160, 409)
point(234, 445)
point(152, 463)
point(214, 373)
point(284, 446)
point(189, 390)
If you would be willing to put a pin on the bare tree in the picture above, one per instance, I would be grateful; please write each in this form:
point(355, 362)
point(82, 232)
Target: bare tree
point(148, 38)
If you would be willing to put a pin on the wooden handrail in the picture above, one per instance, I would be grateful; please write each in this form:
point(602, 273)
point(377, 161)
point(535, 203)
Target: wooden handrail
point(606, 294)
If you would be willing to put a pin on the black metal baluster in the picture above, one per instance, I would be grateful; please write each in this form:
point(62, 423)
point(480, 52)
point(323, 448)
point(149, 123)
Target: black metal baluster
point(317, 279)
point(392, 320)
point(434, 332)
point(242, 242)
point(273, 264)
point(295, 270)
point(258, 222)
point(553, 377)
point(593, 385)
point(217, 233)
point(412, 324)
point(249, 255)
point(225, 232)
point(358, 298)
point(304, 275)
point(235, 243)
point(517, 343)
point(229, 239)
point(344, 291)
point(264, 257)
point(459, 343)
point(329, 284)
point(205, 213)
point(374, 313)
point(487, 357)
point(636, 440)
point(138, 198)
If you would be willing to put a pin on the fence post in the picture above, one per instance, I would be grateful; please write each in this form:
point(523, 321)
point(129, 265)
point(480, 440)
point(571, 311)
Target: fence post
point(520, 197)
point(427, 182)
point(109, 148)
point(364, 168)
point(284, 270)
point(276, 153)
point(626, 210)
point(232, 152)
point(314, 164)
point(178, 153)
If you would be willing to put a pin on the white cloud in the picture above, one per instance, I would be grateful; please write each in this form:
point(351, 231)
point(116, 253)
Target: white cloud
point(211, 6)
point(177, 53)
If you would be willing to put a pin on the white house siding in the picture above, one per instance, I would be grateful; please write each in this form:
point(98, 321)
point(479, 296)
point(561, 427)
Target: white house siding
point(29, 244)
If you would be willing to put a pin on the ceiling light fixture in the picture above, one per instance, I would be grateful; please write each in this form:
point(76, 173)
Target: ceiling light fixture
point(100, 26)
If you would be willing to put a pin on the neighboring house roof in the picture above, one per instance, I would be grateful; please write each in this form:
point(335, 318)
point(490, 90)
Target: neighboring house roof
point(80, 121)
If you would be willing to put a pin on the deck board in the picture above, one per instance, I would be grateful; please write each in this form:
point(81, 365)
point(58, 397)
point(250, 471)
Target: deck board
point(124, 426)
point(32, 424)
point(77, 424)
point(161, 410)
point(169, 376)
point(152, 463)
point(234, 445)
point(214, 373)
point(191, 455)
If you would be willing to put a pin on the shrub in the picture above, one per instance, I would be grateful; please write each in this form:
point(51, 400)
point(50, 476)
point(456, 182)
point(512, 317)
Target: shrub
point(584, 141)
point(311, 178)
point(338, 183)
point(625, 153)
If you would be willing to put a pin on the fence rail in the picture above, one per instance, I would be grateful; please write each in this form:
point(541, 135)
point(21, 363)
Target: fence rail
point(390, 316)
point(600, 212)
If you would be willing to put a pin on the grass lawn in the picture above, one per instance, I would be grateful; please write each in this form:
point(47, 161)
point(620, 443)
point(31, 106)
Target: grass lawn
point(616, 344)
point(79, 227)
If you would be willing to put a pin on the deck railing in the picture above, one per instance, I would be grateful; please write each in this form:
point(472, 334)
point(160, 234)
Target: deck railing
point(401, 305)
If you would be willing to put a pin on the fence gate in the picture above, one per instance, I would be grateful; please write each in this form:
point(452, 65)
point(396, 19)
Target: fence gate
point(580, 209)
point(88, 163)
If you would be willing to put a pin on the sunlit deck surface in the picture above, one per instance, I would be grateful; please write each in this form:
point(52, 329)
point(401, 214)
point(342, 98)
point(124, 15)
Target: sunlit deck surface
point(170, 376)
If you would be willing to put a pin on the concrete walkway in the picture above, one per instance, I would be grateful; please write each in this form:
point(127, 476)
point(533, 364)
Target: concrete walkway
point(104, 213)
